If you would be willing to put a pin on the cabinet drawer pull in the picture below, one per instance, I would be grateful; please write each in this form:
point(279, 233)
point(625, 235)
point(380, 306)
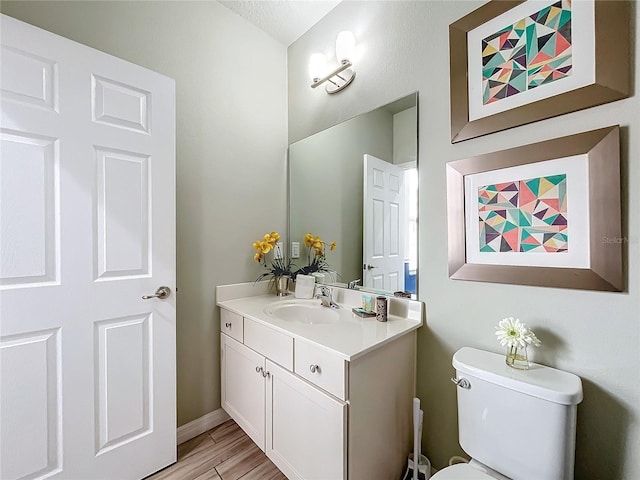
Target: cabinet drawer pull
point(228, 324)
point(314, 368)
point(265, 373)
point(259, 370)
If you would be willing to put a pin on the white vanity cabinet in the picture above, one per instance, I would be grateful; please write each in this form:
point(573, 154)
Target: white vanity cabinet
point(325, 401)
point(300, 428)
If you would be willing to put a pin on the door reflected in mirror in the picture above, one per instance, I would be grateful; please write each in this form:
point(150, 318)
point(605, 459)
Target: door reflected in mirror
point(356, 184)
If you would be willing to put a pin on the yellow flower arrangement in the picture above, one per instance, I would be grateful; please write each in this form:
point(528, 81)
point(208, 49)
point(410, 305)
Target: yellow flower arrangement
point(316, 259)
point(317, 244)
point(279, 267)
point(264, 246)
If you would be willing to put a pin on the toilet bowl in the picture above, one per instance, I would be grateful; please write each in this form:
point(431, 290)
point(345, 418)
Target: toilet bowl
point(468, 471)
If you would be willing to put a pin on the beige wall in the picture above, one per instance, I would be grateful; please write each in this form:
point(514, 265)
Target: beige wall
point(403, 46)
point(405, 138)
point(231, 146)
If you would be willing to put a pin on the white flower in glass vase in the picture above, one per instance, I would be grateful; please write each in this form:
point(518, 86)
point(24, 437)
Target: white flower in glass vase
point(515, 335)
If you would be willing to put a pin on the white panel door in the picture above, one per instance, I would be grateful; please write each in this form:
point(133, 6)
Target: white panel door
point(87, 204)
point(383, 251)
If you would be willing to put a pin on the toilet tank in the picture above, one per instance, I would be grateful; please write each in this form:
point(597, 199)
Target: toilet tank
point(521, 423)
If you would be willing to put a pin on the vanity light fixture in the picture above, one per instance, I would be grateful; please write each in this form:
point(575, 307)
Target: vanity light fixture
point(343, 75)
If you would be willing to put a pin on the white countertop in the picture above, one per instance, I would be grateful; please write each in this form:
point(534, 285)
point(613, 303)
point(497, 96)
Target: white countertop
point(350, 336)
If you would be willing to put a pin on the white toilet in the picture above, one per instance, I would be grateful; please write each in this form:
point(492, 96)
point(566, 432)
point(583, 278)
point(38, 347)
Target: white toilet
point(514, 424)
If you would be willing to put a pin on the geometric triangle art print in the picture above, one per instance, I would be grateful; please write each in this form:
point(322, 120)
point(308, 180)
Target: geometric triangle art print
point(533, 51)
point(524, 216)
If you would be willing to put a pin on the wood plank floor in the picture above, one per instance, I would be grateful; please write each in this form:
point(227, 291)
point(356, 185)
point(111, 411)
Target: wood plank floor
point(223, 453)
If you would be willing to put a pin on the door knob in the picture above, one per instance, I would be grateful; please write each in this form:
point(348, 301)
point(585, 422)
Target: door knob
point(162, 292)
point(368, 266)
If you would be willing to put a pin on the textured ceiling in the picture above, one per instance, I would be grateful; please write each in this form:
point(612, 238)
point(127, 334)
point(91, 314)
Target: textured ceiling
point(284, 20)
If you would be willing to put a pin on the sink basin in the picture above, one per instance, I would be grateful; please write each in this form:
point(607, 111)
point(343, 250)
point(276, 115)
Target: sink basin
point(310, 312)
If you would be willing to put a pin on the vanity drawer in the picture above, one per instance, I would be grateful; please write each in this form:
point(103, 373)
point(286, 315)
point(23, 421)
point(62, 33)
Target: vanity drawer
point(274, 345)
point(231, 324)
point(321, 367)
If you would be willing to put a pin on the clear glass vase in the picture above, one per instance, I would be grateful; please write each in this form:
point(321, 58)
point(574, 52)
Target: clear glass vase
point(517, 357)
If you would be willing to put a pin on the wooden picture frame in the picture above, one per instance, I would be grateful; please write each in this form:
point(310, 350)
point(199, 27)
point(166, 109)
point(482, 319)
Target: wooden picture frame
point(608, 80)
point(599, 152)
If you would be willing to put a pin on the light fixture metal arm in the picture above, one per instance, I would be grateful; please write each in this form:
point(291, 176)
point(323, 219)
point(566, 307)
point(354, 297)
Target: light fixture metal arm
point(332, 74)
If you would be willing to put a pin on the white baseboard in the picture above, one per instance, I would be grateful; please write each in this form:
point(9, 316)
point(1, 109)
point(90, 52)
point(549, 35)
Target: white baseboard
point(201, 425)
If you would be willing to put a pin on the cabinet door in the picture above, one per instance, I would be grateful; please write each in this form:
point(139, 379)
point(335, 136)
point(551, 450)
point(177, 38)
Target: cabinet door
point(306, 428)
point(243, 387)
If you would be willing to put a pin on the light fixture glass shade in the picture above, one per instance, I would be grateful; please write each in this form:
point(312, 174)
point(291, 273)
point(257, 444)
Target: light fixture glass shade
point(345, 46)
point(317, 66)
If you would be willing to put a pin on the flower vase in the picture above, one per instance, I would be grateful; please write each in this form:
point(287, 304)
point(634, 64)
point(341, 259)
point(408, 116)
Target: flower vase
point(282, 286)
point(517, 357)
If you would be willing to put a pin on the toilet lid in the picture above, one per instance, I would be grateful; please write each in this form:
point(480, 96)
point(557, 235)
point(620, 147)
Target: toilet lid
point(461, 471)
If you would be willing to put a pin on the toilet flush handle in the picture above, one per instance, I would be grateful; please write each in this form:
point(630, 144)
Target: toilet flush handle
point(461, 382)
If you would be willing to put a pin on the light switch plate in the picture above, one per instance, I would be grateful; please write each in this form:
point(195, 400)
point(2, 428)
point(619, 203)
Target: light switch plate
point(277, 252)
point(295, 249)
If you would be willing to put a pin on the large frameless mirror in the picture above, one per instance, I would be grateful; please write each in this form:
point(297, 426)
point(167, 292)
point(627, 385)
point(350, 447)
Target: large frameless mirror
point(356, 184)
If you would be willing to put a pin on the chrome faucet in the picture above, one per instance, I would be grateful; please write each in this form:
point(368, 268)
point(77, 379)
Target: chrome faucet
point(325, 297)
point(353, 284)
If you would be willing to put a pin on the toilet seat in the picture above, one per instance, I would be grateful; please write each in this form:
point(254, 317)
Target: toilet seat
point(461, 471)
